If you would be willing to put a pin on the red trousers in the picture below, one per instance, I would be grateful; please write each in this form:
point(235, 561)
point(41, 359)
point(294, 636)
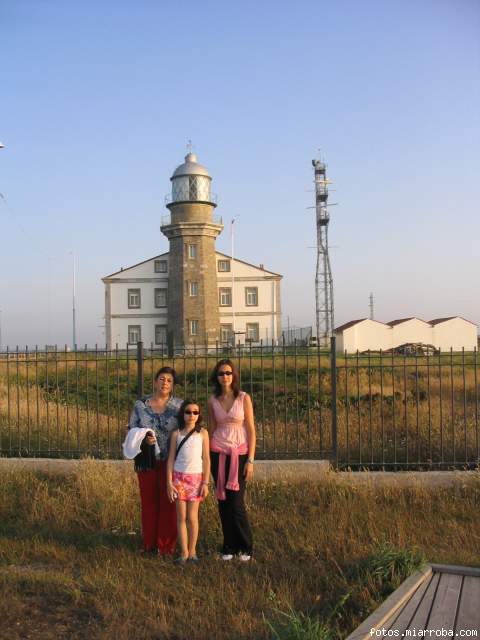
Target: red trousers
point(159, 519)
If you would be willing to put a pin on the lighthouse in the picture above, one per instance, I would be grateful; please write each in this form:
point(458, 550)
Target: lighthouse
point(191, 295)
point(191, 229)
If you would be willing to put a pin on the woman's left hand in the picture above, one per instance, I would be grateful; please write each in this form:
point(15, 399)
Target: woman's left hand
point(171, 492)
point(248, 471)
point(204, 491)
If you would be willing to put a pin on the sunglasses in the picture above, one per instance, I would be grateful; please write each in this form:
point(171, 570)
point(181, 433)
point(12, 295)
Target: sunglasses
point(192, 413)
point(224, 373)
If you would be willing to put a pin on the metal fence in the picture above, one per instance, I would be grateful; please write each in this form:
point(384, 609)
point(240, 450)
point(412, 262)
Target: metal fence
point(374, 410)
point(408, 412)
point(300, 336)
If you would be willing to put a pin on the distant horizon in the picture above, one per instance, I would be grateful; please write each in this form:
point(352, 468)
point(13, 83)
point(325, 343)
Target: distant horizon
point(98, 109)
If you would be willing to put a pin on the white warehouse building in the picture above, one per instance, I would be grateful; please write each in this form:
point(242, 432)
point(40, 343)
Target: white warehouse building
point(442, 333)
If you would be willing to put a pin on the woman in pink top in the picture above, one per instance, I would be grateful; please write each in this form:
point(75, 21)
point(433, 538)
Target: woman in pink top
point(232, 445)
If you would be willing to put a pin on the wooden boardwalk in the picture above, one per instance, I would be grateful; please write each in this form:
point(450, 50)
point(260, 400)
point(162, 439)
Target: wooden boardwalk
point(437, 601)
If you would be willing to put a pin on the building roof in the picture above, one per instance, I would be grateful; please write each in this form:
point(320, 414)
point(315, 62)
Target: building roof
point(249, 264)
point(132, 266)
point(392, 323)
point(165, 255)
point(439, 320)
point(347, 325)
point(190, 168)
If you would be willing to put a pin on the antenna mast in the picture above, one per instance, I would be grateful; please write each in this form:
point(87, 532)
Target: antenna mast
point(371, 306)
point(323, 277)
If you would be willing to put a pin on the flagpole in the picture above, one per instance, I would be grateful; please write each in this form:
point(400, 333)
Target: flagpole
point(233, 279)
point(74, 286)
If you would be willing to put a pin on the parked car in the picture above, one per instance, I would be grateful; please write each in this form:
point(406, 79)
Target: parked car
point(415, 349)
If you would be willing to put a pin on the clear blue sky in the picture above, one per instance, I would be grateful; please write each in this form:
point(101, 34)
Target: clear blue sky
point(98, 100)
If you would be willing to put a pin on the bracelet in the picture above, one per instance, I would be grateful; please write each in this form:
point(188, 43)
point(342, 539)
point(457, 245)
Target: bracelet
point(206, 483)
point(250, 460)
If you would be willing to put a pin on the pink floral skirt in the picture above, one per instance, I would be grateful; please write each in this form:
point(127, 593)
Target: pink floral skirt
point(187, 485)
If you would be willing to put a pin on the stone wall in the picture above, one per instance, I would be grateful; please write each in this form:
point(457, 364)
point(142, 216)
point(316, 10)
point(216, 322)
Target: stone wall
point(191, 224)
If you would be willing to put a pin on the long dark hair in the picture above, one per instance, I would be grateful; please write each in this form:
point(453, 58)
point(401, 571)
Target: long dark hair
point(217, 388)
point(181, 415)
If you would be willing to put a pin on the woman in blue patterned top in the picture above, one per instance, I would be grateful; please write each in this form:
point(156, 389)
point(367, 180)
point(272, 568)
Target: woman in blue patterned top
point(158, 413)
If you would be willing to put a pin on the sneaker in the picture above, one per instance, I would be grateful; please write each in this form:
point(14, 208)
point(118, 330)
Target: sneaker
point(193, 560)
point(244, 557)
point(180, 561)
point(227, 557)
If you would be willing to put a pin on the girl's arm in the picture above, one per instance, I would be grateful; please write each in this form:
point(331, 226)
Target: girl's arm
point(171, 458)
point(251, 436)
point(212, 423)
point(205, 463)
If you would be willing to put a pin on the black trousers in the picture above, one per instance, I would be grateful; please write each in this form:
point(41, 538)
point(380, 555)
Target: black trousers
point(237, 535)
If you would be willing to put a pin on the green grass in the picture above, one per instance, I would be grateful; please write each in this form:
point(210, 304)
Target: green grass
point(325, 556)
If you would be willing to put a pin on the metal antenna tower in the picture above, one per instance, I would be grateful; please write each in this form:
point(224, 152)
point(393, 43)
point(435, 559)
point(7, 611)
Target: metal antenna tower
point(323, 277)
point(371, 306)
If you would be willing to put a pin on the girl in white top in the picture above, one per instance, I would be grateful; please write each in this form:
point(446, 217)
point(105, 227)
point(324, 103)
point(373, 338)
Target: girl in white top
point(188, 473)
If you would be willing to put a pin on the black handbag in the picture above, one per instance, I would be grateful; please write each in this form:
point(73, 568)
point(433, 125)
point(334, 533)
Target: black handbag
point(146, 459)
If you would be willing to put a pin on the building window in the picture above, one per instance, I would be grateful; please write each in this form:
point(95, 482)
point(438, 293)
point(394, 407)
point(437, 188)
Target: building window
point(134, 298)
point(225, 297)
point(160, 334)
point(160, 298)
point(193, 289)
point(251, 296)
point(161, 266)
point(194, 327)
point(226, 333)
point(134, 333)
point(252, 332)
point(192, 251)
point(224, 265)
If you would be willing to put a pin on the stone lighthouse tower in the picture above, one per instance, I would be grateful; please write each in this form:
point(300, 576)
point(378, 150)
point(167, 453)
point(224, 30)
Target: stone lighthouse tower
point(192, 287)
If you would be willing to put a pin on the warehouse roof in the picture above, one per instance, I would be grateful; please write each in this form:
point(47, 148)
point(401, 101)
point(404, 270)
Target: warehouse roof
point(439, 320)
point(393, 323)
point(347, 325)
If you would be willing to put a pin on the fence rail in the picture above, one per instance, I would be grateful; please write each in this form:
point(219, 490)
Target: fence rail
point(373, 410)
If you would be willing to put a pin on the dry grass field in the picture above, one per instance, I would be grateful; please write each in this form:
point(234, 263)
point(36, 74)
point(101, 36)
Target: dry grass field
point(325, 556)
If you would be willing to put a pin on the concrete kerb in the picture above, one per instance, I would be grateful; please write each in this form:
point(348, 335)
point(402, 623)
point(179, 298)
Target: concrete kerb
point(264, 469)
point(285, 470)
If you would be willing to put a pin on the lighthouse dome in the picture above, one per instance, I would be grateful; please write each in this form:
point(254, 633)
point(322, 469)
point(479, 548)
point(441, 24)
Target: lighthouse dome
point(191, 182)
point(190, 168)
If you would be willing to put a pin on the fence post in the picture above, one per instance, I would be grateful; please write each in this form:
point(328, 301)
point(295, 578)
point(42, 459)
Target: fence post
point(333, 384)
point(139, 370)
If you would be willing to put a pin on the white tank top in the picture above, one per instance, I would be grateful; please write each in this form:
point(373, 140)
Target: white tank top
point(189, 459)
